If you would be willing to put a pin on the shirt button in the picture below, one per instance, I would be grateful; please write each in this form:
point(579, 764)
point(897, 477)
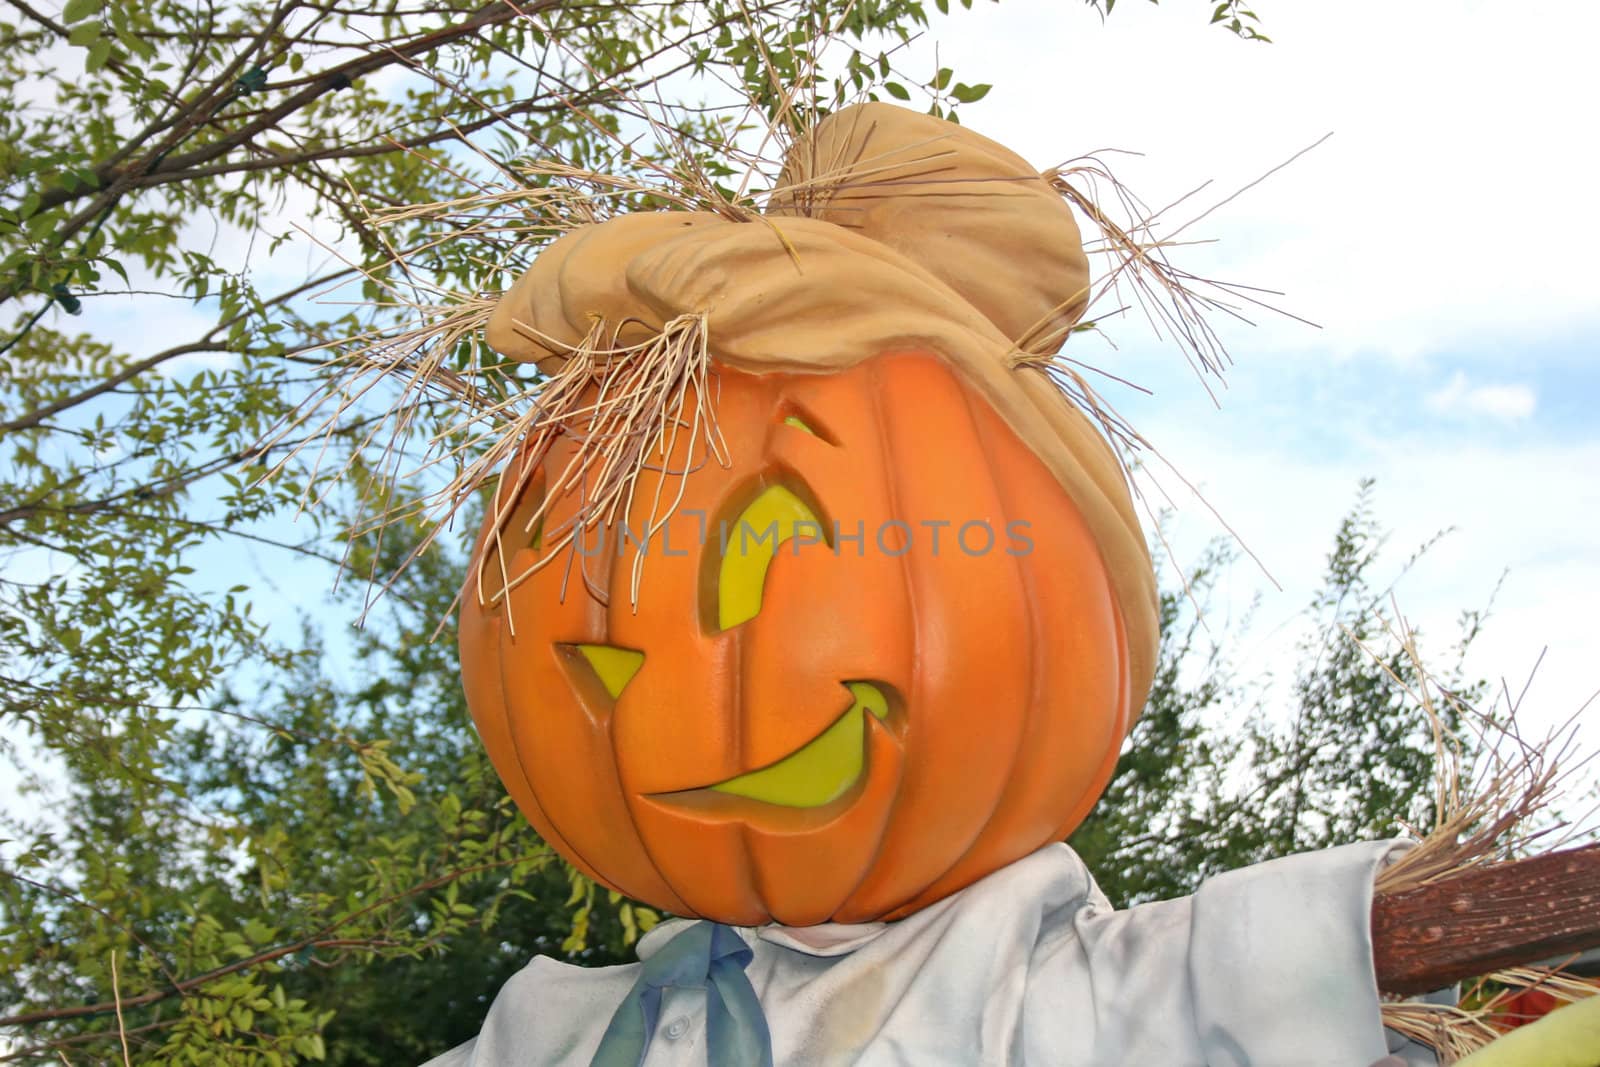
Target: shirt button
point(677, 1027)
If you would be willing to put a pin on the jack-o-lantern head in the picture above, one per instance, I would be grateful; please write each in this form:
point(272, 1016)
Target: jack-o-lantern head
point(872, 614)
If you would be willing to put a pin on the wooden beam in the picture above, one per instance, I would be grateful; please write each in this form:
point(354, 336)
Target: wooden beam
point(1507, 915)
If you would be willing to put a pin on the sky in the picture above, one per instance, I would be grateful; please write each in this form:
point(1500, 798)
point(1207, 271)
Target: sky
point(1441, 239)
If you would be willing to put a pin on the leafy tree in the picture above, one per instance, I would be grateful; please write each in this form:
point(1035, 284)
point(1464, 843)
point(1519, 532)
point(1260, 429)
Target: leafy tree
point(1206, 784)
point(318, 821)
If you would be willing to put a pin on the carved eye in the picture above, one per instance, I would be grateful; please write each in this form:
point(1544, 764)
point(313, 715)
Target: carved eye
point(806, 422)
point(750, 542)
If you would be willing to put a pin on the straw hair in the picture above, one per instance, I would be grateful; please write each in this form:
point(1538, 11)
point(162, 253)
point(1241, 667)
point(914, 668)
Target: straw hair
point(1455, 1031)
point(624, 405)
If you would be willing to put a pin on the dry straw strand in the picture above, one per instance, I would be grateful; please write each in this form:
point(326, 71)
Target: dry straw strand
point(623, 407)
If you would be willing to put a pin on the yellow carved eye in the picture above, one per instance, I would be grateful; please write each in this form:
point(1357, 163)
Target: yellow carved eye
point(807, 422)
point(752, 540)
point(615, 667)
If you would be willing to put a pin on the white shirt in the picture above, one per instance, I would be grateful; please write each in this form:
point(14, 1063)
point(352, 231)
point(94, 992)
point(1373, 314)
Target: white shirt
point(1269, 966)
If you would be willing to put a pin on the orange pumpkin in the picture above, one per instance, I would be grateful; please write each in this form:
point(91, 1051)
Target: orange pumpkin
point(891, 636)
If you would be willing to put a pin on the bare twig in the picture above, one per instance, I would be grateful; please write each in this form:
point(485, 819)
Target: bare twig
point(122, 1027)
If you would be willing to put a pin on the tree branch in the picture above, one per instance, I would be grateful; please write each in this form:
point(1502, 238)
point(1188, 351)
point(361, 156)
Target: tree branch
point(113, 178)
point(330, 80)
point(105, 385)
point(87, 1038)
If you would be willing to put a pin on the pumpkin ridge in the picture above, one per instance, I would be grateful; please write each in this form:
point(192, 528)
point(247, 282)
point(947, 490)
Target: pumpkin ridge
point(616, 560)
point(886, 474)
point(548, 831)
point(1037, 672)
point(1127, 714)
point(1037, 631)
point(643, 840)
point(539, 799)
point(876, 398)
point(1023, 571)
point(794, 900)
point(922, 895)
point(897, 891)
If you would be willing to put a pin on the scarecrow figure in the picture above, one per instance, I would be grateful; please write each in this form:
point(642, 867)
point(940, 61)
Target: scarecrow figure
point(815, 612)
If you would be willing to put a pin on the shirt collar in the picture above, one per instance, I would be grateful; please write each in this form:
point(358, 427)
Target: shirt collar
point(824, 940)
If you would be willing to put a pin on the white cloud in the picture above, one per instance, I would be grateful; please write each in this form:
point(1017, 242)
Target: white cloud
point(1506, 402)
point(1523, 509)
point(1451, 205)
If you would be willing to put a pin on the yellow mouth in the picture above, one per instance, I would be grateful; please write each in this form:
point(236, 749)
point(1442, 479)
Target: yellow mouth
point(825, 768)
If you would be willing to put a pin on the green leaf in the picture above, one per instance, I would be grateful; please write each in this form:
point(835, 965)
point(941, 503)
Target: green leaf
point(897, 90)
point(99, 52)
point(84, 35)
point(970, 94)
point(78, 10)
point(144, 50)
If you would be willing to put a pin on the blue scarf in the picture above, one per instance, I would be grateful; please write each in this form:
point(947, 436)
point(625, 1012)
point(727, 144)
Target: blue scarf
point(706, 956)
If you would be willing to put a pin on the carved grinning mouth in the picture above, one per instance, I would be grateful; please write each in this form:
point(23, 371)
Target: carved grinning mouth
point(816, 782)
point(823, 769)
